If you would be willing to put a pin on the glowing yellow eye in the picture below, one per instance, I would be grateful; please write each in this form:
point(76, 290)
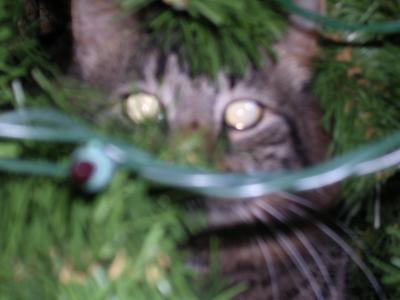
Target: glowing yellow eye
point(243, 114)
point(142, 106)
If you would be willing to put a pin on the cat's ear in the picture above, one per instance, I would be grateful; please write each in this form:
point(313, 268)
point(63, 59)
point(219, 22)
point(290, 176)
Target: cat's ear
point(299, 46)
point(103, 41)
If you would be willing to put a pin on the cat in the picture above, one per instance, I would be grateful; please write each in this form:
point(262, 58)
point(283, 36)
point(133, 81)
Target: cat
point(277, 245)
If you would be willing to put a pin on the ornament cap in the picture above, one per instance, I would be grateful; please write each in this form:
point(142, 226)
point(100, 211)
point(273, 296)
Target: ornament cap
point(82, 171)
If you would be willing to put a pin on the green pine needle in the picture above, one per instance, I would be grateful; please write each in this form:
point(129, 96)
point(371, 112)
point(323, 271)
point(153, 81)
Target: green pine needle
point(214, 34)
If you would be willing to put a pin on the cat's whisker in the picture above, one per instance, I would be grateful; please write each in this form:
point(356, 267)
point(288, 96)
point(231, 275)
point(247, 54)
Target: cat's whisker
point(291, 250)
point(243, 214)
point(265, 251)
point(315, 256)
point(299, 200)
point(296, 280)
point(301, 265)
point(258, 214)
point(354, 257)
point(268, 256)
point(306, 243)
point(346, 248)
point(304, 202)
point(318, 261)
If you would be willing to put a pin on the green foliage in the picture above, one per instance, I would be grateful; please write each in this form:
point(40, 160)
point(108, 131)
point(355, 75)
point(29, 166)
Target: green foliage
point(357, 84)
point(214, 34)
point(123, 243)
point(59, 244)
point(391, 268)
point(17, 53)
point(358, 91)
point(377, 226)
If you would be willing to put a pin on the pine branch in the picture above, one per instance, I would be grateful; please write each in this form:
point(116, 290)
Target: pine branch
point(214, 34)
point(19, 52)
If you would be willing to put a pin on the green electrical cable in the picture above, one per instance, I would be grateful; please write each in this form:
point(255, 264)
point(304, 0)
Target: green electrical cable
point(366, 160)
point(383, 27)
point(42, 125)
point(35, 167)
point(60, 128)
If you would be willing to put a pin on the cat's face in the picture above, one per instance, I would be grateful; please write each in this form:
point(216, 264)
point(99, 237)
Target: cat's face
point(269, 118)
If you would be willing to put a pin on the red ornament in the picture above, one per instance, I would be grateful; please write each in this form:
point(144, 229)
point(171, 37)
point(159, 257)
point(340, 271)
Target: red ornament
point(81, 171)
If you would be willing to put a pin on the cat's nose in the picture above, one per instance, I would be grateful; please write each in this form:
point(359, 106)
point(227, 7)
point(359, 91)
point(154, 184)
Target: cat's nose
point(194, 125)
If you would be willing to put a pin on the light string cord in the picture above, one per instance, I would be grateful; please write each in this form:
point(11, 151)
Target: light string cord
point(387, 27)
point(55, 127)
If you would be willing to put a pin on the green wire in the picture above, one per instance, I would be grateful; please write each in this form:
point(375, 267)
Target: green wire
point(38, 168)
point(41, 133)
point(237, 186)
point(384, 27)
point(42, 125)
point(60, 128)
point(41, 116)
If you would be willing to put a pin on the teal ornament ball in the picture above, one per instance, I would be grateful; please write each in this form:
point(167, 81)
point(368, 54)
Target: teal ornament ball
point(92, 169)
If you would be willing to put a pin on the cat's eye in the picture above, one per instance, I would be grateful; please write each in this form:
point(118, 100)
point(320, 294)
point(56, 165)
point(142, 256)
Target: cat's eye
point(243, 114)
point(141, 107)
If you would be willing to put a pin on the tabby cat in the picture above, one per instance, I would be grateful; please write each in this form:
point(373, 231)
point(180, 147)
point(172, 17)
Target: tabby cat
point(277, 244)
